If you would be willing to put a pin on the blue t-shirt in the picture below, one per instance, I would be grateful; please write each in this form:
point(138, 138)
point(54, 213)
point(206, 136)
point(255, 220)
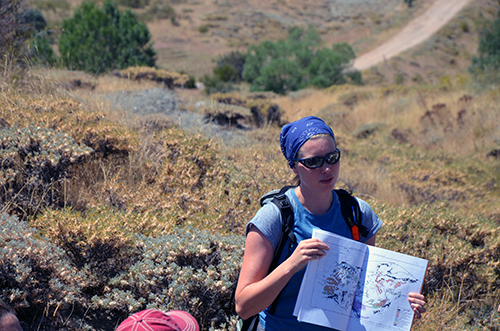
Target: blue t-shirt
point(268, 221)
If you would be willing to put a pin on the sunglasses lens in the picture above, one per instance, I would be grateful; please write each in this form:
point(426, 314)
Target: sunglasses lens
point(333, 158)
point(313, 162)
point(317, 161)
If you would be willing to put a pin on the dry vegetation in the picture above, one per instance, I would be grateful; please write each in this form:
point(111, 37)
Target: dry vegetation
point(426, 158)
point(119, 206)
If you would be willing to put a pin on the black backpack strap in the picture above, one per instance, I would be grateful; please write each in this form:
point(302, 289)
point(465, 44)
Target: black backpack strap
point(351, 213)
point(287, 222)
point(269, 196)
point(279, 198)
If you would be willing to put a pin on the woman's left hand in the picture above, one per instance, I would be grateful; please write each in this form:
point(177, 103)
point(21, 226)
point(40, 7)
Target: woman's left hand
point(417, 302)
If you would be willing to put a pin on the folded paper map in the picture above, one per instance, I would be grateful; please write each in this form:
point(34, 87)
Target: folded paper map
point(357, 287)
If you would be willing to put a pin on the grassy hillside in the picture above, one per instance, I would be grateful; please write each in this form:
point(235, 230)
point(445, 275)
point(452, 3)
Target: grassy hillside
point(101, 192)
point(106, 212)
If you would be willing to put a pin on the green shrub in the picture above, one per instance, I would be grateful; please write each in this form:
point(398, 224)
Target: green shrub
point(41, 51)
point(215, 84)
point(328, 67)
point(259, 56)
point(32, 19)
point(230, 67)
point(303, 45)
point(203, 28)
point(99, 40)
point(134, 3)
point(280, 76)
point(226, 73)
point(287, 65)
point(464, 27)
point(488, 50)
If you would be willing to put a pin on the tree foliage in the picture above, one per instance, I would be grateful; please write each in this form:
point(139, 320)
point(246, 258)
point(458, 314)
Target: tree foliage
point(99, 40)
point(23, 34)
point(488, 49)
point(12, 36)
point(32, 23)
point(299, 61)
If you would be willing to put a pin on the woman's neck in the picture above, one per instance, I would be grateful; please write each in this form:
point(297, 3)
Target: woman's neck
point(318, 203)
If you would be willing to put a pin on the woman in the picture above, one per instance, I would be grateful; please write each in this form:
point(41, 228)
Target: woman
point(310, 148)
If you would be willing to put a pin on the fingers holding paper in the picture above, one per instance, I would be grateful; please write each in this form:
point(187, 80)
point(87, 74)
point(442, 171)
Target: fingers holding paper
point(307, 250)
point(417, 302)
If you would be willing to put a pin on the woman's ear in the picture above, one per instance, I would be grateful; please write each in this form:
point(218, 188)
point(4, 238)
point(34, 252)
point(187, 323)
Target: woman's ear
point(295, 170)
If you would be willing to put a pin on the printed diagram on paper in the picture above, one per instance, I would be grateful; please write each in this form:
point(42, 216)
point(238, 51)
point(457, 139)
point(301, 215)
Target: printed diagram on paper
point(386, 285)
point(336, 280)
point(381, 299)
point(356, 287)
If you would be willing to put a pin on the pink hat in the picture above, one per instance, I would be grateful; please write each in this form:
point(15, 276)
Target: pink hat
point(155, 320)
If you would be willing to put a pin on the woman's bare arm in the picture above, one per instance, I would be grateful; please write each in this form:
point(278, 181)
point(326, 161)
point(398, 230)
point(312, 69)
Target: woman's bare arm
point(256, 290)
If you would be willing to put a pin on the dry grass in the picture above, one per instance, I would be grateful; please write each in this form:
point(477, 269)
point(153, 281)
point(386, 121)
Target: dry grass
point(424, 167)
point(155, 177)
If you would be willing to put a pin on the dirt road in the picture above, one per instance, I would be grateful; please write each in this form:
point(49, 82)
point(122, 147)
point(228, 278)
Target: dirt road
point(415, 32)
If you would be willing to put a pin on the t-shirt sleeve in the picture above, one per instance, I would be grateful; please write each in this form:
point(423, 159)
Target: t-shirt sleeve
point(268, 221)
point(370, 220)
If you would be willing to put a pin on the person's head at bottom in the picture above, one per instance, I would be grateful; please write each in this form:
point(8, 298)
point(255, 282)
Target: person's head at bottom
point(155, 320)
point(8, 319)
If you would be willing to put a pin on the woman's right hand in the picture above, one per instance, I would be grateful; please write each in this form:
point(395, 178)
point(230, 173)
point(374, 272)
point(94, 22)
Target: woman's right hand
point(307, 250)
point(256, 290)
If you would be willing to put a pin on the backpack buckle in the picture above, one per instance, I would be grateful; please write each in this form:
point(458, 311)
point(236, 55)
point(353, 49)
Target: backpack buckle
point(284, 203)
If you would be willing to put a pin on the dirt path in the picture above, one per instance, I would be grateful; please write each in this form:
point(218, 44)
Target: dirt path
point(418, 30)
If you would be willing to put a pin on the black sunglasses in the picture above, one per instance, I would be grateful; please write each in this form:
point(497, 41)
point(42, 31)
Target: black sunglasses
point(317, 161)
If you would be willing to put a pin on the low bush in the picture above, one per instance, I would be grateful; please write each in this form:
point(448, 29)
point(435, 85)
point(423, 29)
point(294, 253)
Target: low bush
point(289, 65)
point(40, 50)
point(75, 282)
point(33, 20)
point(229, 67)
point(134, 3)
point(170, 79)
point(484, 66)
point(264, 111)
point(35, 162)
point(213, 84)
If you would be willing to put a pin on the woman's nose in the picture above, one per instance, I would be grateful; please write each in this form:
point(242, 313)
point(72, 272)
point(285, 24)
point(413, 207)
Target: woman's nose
point(325, 168)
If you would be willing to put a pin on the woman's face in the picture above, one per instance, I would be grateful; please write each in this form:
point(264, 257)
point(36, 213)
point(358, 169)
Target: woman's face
point(324, 178)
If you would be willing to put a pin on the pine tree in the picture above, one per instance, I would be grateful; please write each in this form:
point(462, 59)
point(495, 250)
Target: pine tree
point(99, 40)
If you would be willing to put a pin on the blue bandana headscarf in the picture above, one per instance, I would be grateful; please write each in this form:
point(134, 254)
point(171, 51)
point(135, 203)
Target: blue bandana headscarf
point(295, 134)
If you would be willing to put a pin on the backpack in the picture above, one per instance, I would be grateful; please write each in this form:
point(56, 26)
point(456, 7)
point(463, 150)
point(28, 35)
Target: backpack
point(352, 216)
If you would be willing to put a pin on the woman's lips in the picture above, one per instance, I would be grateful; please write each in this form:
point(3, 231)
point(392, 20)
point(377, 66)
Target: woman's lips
point(327, 181)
